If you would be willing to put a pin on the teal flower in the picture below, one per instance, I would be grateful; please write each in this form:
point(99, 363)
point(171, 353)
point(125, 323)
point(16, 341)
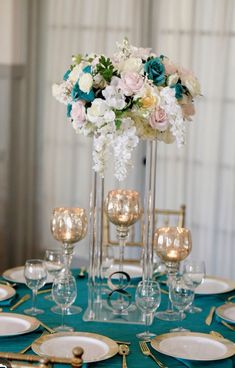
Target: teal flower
point(155, 71)
point(66, 75)
point(179, 90)
point(87, 69)
point(77, 94)
point(69, 108)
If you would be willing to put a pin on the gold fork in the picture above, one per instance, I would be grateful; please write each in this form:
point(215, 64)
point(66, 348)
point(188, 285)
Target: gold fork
point(146, 351)
point(22, 300)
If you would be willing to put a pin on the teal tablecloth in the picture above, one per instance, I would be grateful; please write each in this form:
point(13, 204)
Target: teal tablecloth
point(127, 332)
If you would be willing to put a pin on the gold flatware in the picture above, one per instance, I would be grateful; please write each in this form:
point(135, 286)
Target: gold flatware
point(209, 318)
point(146, 351)
point(50, 330)
point(22, 300)
point(124, 351)
point(164, 292)
point(23, 351)
point(44, 291)
point(231, 327)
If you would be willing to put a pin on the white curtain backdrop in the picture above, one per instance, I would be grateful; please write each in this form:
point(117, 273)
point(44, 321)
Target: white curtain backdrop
point(199, 34)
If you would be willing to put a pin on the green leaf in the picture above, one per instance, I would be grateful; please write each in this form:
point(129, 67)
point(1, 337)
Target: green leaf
point(118, 123)
point(105, 68)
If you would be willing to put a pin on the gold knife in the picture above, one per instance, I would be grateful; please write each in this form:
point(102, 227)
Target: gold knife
point(44, 291)
point(22, 300)
point(50, 330)
point(209, 318)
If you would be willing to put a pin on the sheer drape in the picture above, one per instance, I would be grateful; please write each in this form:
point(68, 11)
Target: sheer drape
point(198, 34)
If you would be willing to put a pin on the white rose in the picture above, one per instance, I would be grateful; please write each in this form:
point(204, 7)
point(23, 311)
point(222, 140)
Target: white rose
point(85, 82)
point(75, 73)
point(172, 79)
point(193, 86)
point(131, 65)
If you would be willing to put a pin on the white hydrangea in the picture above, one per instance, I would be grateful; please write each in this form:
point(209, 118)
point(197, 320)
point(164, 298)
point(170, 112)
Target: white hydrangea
point(113, 95)
point(62, 92)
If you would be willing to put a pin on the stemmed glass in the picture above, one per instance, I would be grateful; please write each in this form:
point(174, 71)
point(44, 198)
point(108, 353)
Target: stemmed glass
point(64, 293)
point(181, 295)
point(148, 298)
point(69, 226)
point(54, 264)
point(195, 272)
point(35, 274)
point(172, 245)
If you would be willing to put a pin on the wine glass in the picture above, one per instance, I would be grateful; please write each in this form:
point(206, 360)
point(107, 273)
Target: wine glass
point(172, 245)
point(195, 272)
point(54, 264)
point(35, 274)
point(181, 295)
point(148, 298)
point(64, 293)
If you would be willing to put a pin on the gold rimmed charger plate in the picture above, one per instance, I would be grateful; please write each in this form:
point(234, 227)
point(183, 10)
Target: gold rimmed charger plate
point(6, 292)
point(226, 312)
point(215, 285)
point(60, 345)
point(16, 274)
point(193, 346)
point(12, 324)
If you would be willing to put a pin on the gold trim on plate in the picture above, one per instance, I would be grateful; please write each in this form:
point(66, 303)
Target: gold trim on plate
point(10, 292)
point(223, 308)
point(34, 323)
point(112, 345)
point(230, 283)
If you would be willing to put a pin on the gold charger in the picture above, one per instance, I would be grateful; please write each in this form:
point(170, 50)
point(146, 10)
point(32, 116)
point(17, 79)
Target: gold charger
point(12, 324)
point(16, 274)
point(60, 345)
point(193, 346)
point(6, 292)
point(226, 312)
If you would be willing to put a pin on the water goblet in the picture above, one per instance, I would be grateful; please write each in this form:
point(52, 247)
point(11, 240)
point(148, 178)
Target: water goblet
point(148, 298)
point(181, 295)
point(54, 264)
point(64, 293)
point(195, 272)
point(172, 245)
point(35, 274)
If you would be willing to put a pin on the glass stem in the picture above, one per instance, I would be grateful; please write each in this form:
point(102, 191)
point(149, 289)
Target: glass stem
point(62, 316)
point(34, 299)
point(148, 320)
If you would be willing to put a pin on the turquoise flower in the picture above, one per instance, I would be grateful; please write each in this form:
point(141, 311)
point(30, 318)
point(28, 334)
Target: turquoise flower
point(77, 94)
point(66, 75)
point(179, 90)
point(155, 71)
point(87, 69)
point(69, 108)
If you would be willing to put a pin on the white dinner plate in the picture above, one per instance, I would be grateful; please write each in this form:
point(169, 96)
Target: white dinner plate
point(226, 312)
point(12, 324)
point(6, 292)
point(96, 347)
point(215, 285)
point(193, 346)
point(132, 270)
point(16, 274)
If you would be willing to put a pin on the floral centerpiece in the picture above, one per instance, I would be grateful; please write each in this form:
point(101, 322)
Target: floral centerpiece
point(130, 96)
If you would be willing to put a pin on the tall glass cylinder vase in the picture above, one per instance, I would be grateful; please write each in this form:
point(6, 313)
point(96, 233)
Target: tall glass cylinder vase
point(149, 208)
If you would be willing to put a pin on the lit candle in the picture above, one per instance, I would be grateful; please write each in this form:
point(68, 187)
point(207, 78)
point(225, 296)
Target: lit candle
point(172, 255)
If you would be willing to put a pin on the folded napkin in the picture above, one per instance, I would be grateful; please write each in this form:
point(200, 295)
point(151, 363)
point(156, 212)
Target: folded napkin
point(8, 302)
point(225, 363)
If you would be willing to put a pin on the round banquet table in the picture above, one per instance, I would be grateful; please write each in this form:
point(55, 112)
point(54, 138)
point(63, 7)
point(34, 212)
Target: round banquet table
point(124, 332)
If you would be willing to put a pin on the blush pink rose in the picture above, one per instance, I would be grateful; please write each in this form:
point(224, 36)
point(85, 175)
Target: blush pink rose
point(170, 68)
point(130, 83)
point(158, 119)
point(78, 112)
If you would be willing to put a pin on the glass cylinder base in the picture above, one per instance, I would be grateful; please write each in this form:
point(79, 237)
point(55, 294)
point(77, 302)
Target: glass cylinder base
point(63, 328)
point(33, 311)
point(145, 336)
point(168, 315)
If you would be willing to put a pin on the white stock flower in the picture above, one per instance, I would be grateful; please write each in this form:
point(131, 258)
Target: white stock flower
point(62, 92)
point(85, 82)
point(100, 113)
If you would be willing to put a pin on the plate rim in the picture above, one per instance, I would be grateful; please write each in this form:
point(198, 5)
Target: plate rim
point(221, 308)
point(11, 291)
point(33, 321)
point(6, 275)
point(229, 344)
point(112, 351)
point(229, 282)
